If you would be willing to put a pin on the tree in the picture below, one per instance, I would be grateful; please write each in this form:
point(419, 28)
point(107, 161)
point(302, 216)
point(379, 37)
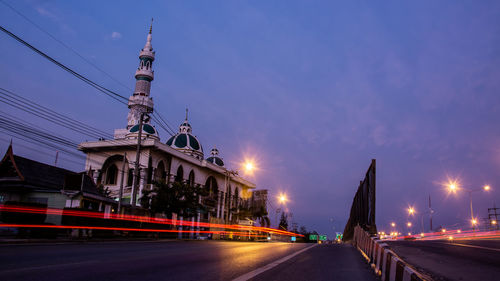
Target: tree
point(104, 190)
point(258, 213)
point(303, 230)
point(283, 222)
point(179, 198)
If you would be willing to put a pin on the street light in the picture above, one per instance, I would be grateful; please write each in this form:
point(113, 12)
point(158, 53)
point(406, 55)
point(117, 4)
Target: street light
point(409, 224)
point(453, 187)
point(411, 211)
point(282, 198)
point(393, 224)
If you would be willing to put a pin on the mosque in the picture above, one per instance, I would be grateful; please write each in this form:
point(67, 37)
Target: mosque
point(181, 158)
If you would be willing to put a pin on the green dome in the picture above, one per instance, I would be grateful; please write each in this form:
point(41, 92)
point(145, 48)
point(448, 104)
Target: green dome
point(215, 160)
point(145, 128)
point(187, 143)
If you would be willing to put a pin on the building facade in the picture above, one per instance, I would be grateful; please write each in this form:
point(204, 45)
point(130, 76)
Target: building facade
point(181, 158)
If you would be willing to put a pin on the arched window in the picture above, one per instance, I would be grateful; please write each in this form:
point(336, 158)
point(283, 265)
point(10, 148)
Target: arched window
point(211, 186)
point(160, 173)
point(191, 178)
point(111, 174)
point(179, 177)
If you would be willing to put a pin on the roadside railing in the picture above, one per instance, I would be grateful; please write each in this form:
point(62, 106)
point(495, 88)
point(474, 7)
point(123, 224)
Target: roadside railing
point(386, 264)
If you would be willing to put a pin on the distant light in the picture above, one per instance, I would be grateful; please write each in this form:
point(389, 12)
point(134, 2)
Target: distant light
point(393, 224)
point(486, 187)
point(443, 230)
point(409, 224)
point(282, 198)
point(453, 186)
point(411, 211)
point(474, 221)
point(450, 237)
point(249, 167)
point(422, 234)
point(459, 231)
point(409, 233)
point(493, 222)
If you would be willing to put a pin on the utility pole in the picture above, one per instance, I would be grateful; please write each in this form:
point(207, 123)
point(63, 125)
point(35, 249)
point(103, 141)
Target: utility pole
point(137, 158)
point(430, 211)
point(120, 195)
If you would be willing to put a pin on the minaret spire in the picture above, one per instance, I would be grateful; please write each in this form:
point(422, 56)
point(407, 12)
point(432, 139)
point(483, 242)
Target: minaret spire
point(186, 114)
point(140, 102)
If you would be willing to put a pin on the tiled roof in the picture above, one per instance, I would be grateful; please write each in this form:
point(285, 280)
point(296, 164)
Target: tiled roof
point(43, 176)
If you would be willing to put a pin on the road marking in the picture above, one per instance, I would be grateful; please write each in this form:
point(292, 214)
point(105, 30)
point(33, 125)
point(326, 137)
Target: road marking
point(258, 271)
point(474, 246)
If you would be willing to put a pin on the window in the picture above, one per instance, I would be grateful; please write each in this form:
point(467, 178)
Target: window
point(130, 179)
point(191, 178)
point(111, 175)
point(179, 177)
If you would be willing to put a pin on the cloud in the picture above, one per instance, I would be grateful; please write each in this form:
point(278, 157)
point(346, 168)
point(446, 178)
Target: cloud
point(46, 13)
point(116, 35)
point(52, 16)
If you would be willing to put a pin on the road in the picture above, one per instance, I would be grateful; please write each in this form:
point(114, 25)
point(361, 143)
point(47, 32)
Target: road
point(453, 260)
point(181, 260)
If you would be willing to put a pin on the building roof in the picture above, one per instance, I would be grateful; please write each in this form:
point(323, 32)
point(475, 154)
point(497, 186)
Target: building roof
point(37, 175)
point(106, 145)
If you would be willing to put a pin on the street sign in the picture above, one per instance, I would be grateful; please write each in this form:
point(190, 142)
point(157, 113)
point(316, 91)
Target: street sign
point(294, 238)
point(313, 237)
point(322, 237)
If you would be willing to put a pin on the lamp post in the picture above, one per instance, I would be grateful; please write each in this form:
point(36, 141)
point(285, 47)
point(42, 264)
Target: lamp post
point(454, 187)
point(411, 212)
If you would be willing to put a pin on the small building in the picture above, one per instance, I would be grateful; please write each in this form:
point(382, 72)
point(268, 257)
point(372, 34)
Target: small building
point(23, 180)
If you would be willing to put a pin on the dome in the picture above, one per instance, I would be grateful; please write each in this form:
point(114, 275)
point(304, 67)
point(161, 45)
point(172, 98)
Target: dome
point(186, 142)
point(148, 131)
point(214, 158)
point(146, 128)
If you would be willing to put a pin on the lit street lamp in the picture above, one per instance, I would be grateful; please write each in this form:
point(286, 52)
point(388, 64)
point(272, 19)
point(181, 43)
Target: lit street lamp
point(453, 187)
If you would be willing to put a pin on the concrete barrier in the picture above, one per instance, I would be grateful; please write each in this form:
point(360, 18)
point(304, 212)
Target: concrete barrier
point(386, 264)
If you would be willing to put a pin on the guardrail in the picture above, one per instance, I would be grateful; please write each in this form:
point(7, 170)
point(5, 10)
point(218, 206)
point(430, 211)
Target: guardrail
point(386, 264)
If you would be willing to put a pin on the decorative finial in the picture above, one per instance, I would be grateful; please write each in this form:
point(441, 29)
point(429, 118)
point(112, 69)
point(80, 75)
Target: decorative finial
point(186, 114)
point(151, 26)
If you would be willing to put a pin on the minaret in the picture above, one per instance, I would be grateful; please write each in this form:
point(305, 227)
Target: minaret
point(140, 101)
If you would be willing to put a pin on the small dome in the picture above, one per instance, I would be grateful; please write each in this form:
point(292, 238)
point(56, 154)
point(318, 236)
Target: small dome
point(214, 158)
point(146, 128)
point(186, 142)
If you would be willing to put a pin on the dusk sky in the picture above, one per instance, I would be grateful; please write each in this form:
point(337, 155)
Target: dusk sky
point(313, 90)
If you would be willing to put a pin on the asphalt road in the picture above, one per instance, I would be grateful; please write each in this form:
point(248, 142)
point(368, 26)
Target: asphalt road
point(179, 260)
point(453, 260)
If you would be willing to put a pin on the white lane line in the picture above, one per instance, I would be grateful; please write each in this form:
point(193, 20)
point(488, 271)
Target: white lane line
point(258, 271)
point(474, 246)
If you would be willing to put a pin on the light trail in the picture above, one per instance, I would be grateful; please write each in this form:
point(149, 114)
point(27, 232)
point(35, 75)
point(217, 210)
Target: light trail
point(455, 234)
point(141, 219)
point(129, 229)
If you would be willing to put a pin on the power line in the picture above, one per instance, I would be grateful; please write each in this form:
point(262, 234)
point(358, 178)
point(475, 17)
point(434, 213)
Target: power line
point(15, 100)
point(100, 88)
point(63, 44)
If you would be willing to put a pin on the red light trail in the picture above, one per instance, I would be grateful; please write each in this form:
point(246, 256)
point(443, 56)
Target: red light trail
point(142, 219)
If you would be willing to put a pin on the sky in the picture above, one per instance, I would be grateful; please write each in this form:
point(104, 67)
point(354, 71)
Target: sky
point(313, 90)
